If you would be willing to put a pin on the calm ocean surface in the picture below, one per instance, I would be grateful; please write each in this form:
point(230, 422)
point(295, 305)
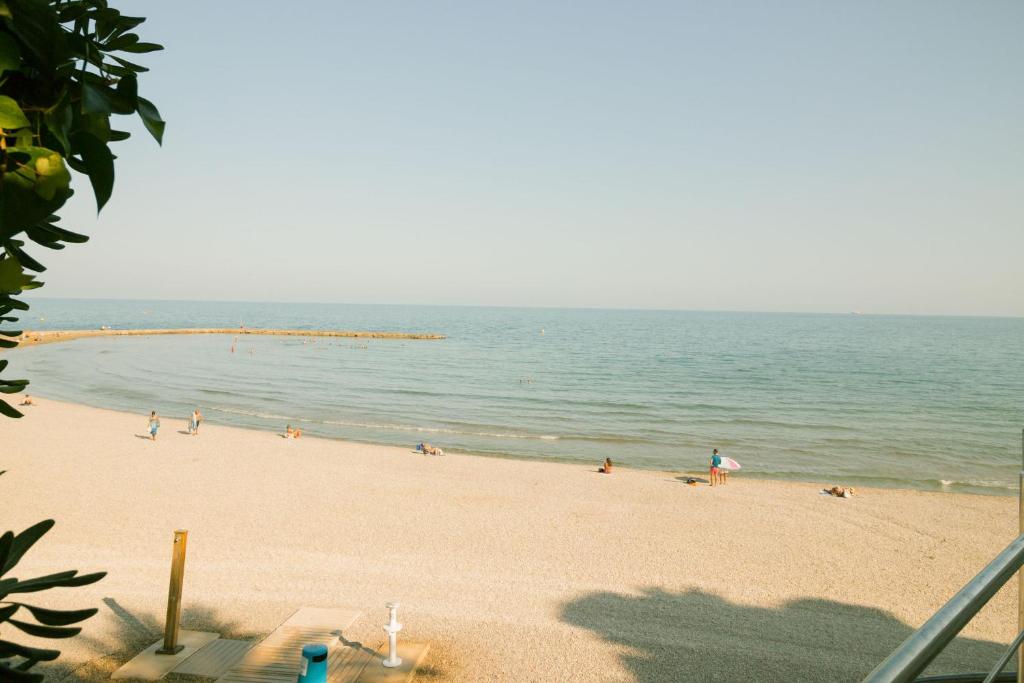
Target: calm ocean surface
point(933, 403)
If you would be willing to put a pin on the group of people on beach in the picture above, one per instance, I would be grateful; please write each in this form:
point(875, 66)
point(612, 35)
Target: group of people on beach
point(192, 427)
point(717, 473)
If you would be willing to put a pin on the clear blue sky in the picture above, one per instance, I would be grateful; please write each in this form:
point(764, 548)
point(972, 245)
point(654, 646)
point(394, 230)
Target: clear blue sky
point(793, 156)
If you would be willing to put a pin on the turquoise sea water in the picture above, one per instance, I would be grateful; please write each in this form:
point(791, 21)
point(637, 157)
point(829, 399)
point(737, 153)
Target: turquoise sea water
point(923, 402)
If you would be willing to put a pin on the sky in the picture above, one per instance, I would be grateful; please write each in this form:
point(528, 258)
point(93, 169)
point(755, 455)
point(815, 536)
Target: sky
point(756, 156)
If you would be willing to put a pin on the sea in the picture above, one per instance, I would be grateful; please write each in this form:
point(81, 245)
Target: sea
point(933, 403)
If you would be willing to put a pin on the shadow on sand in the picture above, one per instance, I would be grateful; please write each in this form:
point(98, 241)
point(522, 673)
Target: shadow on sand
point(133, 632)
point(697, 636)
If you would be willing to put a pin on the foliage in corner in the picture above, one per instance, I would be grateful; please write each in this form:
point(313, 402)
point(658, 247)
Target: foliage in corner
point(17, 660)
point(63, 75)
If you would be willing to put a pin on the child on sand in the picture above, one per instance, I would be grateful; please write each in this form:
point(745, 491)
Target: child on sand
point(607, 468)
point(716, 462)
point(154, 425)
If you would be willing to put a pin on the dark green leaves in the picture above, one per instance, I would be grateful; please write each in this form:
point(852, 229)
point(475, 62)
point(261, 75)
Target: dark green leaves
point(61, 86)
point(57, 617)
point(35, 184)
point(22, 542)
point(7, 410)
point(99, 164)
point(10, 54)
point(52, 623)
point(68, 579)
point(151, 118)
point(13, 649)
point(45, 631)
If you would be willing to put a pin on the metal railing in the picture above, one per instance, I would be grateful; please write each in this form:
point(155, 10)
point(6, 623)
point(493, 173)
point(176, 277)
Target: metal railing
point(910, 659)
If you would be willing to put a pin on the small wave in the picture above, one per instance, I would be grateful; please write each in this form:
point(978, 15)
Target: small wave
point(978, 483)
point(256, 413)
point(439, 430)
point(385, 425)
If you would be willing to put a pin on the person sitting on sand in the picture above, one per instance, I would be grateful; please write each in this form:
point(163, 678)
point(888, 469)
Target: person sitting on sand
point(28, 401)
point(154, 425)
point(296, 433)
point(290, 433)
point(716, 463)
point(607, 467)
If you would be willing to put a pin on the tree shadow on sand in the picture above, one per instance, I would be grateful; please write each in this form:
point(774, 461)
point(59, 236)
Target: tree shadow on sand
point(132, 632)
point(697, 636)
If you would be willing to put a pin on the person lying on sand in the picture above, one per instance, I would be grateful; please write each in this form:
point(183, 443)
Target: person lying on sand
point(607, 468)
point(839, 491)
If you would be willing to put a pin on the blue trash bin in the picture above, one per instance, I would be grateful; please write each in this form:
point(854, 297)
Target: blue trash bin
point(314, 664)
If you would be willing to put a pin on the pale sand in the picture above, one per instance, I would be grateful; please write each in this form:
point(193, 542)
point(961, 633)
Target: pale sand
point(31, 338)
point(512, 570)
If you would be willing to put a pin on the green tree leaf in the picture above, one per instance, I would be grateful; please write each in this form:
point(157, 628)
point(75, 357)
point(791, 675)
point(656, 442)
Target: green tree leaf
point(12, 278)
point(7, 410)
point(61, 579)
point(128, 91)
point(151, 118)
point(57, 617)
point(11, 115)
point(45, 631)
point(23, 541)
point(99, 164)
point(8, 649)
point(142, 47)
point(95, 100)
point(10, 55)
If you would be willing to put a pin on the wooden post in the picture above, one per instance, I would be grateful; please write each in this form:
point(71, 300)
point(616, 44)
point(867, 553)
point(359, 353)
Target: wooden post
point(171, 646)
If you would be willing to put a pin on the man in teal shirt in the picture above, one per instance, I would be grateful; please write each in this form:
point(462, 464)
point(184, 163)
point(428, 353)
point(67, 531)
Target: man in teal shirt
point(716, 462)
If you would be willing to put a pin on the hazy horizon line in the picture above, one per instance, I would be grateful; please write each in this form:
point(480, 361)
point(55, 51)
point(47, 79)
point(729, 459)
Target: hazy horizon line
point(539, 307)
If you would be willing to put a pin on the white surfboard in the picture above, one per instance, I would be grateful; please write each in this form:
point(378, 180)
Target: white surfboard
point(729, 464)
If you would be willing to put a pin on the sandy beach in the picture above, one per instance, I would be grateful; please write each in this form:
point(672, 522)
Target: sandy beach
point(511, 570)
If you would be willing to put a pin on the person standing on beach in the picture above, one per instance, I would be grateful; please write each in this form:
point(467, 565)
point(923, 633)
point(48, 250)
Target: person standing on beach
point(716, 462)
point(154, 425)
